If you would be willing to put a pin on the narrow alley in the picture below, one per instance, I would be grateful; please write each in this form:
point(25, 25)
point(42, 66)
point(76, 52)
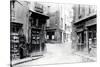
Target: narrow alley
point(56, 53)
point(43, 33)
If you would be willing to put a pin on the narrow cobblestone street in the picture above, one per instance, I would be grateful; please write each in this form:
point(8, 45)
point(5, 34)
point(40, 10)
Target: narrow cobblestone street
point(56, 53)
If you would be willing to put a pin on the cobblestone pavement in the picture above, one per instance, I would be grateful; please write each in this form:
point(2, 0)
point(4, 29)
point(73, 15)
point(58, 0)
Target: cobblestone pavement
point(56, 53)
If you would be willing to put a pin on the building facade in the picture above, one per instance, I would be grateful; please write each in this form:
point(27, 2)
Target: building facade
point(60, 24)
point(37, 28)
point(18, 22)
point(53, 29)
point(66, 17)
point(85, 28)
point(27, 29)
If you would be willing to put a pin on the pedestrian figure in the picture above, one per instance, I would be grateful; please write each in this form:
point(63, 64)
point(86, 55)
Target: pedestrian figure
point(90, 44)
point(22, 44)
point(21, 53)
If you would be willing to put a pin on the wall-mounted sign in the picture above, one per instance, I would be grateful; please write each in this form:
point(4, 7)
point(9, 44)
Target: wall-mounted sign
point(38, 7)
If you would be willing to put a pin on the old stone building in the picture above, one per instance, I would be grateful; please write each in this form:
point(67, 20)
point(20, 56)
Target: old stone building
point(27, 28)
point(53, 29)
point(85, 29)
point(18, 25)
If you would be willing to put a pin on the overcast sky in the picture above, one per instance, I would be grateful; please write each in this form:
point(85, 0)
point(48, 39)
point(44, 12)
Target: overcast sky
point(64, 9)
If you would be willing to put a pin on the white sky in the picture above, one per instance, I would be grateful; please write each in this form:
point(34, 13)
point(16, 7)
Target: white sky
point(55, 6)
point(65, 8)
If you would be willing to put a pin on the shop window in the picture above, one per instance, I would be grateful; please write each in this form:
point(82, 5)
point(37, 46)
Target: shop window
point(33, 22)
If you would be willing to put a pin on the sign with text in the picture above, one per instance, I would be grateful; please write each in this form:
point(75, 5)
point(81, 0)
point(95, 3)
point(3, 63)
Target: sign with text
point(38, 7)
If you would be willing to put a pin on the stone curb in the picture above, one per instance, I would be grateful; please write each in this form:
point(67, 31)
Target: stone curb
point(16, 62)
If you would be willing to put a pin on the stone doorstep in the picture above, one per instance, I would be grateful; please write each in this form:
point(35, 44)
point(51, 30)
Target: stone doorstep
point(19, 61)
point(85, 56)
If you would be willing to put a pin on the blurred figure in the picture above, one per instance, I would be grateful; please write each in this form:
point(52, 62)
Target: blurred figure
point(22, 44)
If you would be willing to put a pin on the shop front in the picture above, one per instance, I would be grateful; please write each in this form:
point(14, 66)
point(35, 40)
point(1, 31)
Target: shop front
point(80, 32)
point(14, 40)
point(50, 34)
point(37, 33)
point(92, 39)
point(86, 34)
point(80, 39)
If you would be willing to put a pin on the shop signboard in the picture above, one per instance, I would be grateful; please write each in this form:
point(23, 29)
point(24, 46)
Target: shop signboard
point(38, 7)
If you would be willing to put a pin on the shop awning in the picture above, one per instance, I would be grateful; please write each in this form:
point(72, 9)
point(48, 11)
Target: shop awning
point(91, 22)
point(38, 15)
point(91, 16)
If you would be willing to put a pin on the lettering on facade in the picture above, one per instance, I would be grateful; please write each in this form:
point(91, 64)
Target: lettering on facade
point(38, 7)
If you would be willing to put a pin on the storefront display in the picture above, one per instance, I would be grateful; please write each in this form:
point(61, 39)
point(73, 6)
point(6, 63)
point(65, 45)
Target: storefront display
point(14, 40)
point(37, 33)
